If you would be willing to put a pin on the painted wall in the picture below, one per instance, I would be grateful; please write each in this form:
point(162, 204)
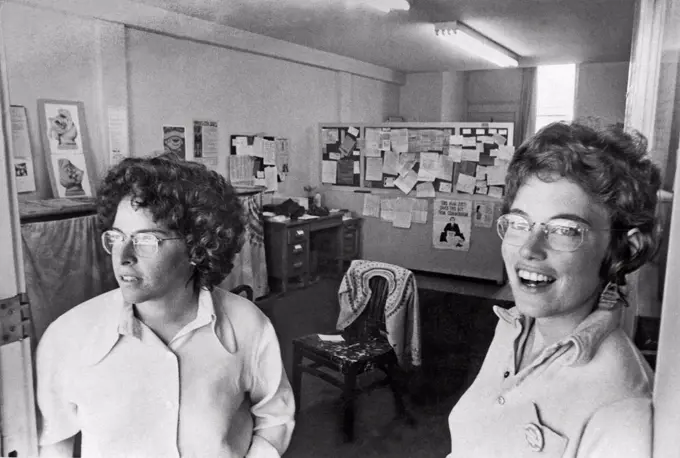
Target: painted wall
point(164, 80)
point(49, 55)
point(421, 97)
point(601, 91)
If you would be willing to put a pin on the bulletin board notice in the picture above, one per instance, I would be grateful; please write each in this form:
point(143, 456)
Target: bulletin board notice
point(341, 155)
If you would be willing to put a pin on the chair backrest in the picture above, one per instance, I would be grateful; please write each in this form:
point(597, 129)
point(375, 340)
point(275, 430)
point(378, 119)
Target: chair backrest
point(371, 322)
point(244, 290)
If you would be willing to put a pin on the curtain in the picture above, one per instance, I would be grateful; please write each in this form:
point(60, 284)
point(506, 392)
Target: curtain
point(64, 264)
point(526, 124)
point(250, 264)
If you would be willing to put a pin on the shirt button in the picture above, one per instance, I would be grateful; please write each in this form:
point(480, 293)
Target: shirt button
point(506, 374)
point(501, 400)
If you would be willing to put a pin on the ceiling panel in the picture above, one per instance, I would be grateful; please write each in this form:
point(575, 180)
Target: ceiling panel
point(541, 31)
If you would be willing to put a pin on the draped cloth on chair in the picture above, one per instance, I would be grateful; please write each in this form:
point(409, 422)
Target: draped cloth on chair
point(402, 313)
point(250, 264)
point(64, 264)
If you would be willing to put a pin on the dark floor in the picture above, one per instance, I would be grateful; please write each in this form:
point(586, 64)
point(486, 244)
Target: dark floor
point(456, 332)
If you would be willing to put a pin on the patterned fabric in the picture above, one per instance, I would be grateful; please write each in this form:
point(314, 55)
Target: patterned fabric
point(250, 264)
point(402, 313)
point(360, 355)
point(65, 265)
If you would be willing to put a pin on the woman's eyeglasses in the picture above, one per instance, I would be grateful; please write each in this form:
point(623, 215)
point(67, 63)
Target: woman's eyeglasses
point(145, 245)
point(561, 234)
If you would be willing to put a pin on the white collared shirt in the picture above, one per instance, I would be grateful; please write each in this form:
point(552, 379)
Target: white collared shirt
point(217, 389)
point(587, 396)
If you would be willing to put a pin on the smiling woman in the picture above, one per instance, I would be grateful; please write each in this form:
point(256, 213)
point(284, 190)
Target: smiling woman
point(561, 377)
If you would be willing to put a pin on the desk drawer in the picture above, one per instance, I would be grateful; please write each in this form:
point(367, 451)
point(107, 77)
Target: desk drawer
point(297, 264)
point(297, 249)
point(297, 234)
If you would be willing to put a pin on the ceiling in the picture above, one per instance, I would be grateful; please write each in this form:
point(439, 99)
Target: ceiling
point(541, 31)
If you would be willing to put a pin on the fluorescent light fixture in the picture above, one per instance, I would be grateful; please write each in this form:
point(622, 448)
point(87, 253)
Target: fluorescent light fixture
point(388, 5)
point(475, 43)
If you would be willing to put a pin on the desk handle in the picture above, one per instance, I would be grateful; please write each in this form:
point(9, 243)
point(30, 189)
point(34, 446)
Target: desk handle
point(297, 265)
point(299, 233)
point(297, 248)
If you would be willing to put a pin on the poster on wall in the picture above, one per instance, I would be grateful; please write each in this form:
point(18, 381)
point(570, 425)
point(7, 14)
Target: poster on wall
point(20, 139)
point(63, 126)
point(118, 134)
point(483, 214)
point(70, 172)
point(451, 224)
point(23, 174)
point(66, 142)
point(174, 140)
point(206, 139)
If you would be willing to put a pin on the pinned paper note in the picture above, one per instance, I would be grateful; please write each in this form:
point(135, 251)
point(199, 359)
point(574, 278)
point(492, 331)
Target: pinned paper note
point(429, 166)
point(419, 211)
point(495, 191)
point(445, 186)
point(456, 140)
point(403, 212)
point(425, 189)
point(406, 183)
point(466, 183)
point(329, 135)
point(391, 163)
point(445, 171)
point(371, 206)
point(329, 171)
point(270, 178)
point(505, 152)
point(471, 155)
point(499, 139)
point(387, 209)
point(373, 170)
point(456, 153)
point(353, 131)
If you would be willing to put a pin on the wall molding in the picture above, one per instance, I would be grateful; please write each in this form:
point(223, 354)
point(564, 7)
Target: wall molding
point(157, 20)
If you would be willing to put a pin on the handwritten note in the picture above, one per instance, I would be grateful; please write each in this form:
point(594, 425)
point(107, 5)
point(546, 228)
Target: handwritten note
point(329, 172)
point(466, 183)
point(371, 205)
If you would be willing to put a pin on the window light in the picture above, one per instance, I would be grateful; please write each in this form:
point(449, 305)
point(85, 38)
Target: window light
point(475, 43)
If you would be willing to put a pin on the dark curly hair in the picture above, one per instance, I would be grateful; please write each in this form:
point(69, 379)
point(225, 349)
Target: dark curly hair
point(188, 198)
point(613, 167)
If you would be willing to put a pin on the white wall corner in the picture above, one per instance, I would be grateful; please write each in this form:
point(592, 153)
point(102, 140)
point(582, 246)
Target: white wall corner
point(454, 103)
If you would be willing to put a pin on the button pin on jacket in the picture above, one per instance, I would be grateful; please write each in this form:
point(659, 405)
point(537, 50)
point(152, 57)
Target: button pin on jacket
point(534, 437)
point(506, 374)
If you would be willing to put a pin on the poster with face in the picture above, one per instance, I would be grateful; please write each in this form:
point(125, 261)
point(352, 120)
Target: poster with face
point(451, 224)
point(71, 175)
point(63, 128)
point(174, 140)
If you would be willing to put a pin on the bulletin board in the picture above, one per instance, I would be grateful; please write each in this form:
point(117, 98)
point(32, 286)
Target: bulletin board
point(341, 155)
point(388, 150)
point(258, 160)
point(450, 231)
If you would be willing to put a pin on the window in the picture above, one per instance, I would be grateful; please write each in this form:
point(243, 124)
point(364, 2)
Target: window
point(555, 90)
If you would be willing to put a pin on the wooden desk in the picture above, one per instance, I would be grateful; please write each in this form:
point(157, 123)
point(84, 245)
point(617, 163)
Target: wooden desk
point(288, 246)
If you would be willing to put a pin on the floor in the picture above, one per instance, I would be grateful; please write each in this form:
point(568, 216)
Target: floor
point(317, 433)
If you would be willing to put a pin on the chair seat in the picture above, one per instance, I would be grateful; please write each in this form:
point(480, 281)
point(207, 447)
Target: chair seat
point(360, 356)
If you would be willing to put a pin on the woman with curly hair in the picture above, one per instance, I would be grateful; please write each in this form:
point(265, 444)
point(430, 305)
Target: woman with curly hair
point(561, 378)
point(168, 364)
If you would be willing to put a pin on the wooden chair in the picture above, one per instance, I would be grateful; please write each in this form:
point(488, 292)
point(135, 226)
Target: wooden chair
point(246, 290)
point(340, 363)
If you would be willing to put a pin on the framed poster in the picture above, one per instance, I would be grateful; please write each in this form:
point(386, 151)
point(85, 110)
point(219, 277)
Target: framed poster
point(66, 144)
